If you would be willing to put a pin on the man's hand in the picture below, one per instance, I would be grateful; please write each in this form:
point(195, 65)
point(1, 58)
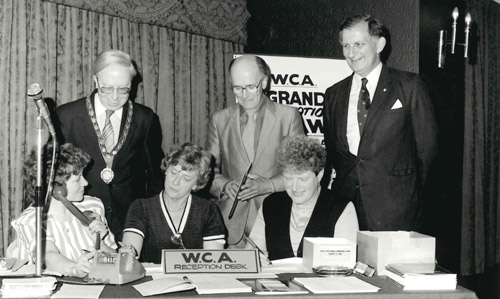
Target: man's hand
point(254, 186)
point(231, 188)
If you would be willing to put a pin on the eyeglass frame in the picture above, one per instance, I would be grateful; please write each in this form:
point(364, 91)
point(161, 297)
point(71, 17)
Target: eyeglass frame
point(248, 88)
point(112, 89)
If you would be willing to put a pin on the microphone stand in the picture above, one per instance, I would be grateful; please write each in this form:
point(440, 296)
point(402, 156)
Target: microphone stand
point(39, 201)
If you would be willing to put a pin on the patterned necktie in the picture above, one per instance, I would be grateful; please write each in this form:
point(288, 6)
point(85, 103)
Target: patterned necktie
point(107, 133)
point(363, 105)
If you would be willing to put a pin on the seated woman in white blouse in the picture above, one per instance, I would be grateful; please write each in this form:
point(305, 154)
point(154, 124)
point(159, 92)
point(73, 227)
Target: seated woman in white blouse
point(305, 209)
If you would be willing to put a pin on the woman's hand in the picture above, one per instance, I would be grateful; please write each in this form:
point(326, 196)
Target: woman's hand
point(82, 267)
point(124, 248)
point(98, 226)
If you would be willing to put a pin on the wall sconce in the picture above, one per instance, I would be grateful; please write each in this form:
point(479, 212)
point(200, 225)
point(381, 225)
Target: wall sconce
point(443, 42)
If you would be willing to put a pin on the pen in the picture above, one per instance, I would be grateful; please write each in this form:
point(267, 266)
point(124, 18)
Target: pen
point(242, 182)
point(258, 249)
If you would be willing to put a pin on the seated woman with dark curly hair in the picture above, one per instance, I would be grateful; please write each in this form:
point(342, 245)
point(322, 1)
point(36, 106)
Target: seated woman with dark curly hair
point(305, 209)
point(175, 218)
point(68, 242)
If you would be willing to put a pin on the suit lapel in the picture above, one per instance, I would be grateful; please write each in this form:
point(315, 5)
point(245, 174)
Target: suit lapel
point(378, 99)
point(124, 118)
point(341, 112)
point(235, 136)
point(268, 124)
point(88, 127)
point(133, 126)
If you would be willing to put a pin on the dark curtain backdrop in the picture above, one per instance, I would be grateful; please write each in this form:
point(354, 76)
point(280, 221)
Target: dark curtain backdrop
point(481, 174)
point(184, 78)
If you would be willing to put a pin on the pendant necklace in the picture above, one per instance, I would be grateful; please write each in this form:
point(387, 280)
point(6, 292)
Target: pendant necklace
point(107, 173)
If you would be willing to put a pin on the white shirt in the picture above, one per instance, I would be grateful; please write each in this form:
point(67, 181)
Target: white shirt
point(353, 136)
point(116, 118)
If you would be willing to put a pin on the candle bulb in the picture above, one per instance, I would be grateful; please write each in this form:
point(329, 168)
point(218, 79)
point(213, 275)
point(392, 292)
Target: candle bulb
point(454, 14)
point(467, 29)
point(441, 48)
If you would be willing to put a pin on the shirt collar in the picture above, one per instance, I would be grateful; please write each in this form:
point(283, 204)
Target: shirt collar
point(372, 77)
point(100, 109)
point(261, 106)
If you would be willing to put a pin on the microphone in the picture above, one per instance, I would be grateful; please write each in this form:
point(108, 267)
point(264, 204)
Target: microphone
point(35, 93)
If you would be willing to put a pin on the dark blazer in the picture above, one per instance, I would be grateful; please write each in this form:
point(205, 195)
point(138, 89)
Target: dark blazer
point(395, 150)
point(136, 165)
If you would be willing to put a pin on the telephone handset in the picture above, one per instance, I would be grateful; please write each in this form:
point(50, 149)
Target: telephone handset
point(60, 193)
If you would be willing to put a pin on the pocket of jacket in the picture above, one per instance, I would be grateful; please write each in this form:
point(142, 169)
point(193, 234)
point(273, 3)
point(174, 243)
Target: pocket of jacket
point(401, 172)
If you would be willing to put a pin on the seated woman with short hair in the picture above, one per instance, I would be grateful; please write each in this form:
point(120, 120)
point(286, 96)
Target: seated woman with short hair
point(305, 209)
point(69, 244)
point(175, 218)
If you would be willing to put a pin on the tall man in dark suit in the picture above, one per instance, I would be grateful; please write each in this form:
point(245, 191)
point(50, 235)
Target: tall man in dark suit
point(122, 137)
point(248, 132)
point(380, 132)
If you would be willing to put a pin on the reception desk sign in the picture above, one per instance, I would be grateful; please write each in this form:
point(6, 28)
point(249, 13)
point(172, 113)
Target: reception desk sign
point(210, 261)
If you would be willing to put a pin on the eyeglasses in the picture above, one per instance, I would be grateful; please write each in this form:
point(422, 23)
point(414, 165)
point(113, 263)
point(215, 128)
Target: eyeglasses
point(110, 90)
point(177, 240)
point(252, 88)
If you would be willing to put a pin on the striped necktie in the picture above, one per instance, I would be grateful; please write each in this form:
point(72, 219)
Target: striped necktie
point(107, 133)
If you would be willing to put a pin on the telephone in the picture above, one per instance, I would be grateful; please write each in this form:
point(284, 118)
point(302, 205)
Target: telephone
point(60, 193)
point(106, 268)
point(115, 268)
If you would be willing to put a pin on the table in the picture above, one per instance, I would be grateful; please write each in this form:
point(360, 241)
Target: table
point(389, 289)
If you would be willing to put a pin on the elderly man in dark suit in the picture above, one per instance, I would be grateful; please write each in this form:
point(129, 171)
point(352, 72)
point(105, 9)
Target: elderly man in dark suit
point(380, 132)
point(248, 132)
point(122, 137)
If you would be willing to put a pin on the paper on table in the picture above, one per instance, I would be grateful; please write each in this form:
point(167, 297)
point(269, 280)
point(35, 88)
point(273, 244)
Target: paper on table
point(208, 284)
point(274, 287)
point(12, 270)
point(79, 291)
point(27, 287)
point(28, 270)
point(288, 265)
point(6, 263)
point(163, 286)
point(152, 268)
point(325, 285)
point(30, 282)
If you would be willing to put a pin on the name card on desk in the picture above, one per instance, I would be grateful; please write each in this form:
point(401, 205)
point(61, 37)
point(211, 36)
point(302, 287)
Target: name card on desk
point(210, 261)
point(329, 251)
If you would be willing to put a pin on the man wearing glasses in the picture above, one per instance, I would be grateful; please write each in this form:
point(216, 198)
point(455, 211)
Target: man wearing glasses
point(248, 132)
point(122, 137)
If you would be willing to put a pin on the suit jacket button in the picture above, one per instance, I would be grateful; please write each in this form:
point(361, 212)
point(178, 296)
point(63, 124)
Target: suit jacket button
point(360, 161)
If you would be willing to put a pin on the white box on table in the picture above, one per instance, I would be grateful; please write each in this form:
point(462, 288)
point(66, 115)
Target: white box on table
point(381, 248)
